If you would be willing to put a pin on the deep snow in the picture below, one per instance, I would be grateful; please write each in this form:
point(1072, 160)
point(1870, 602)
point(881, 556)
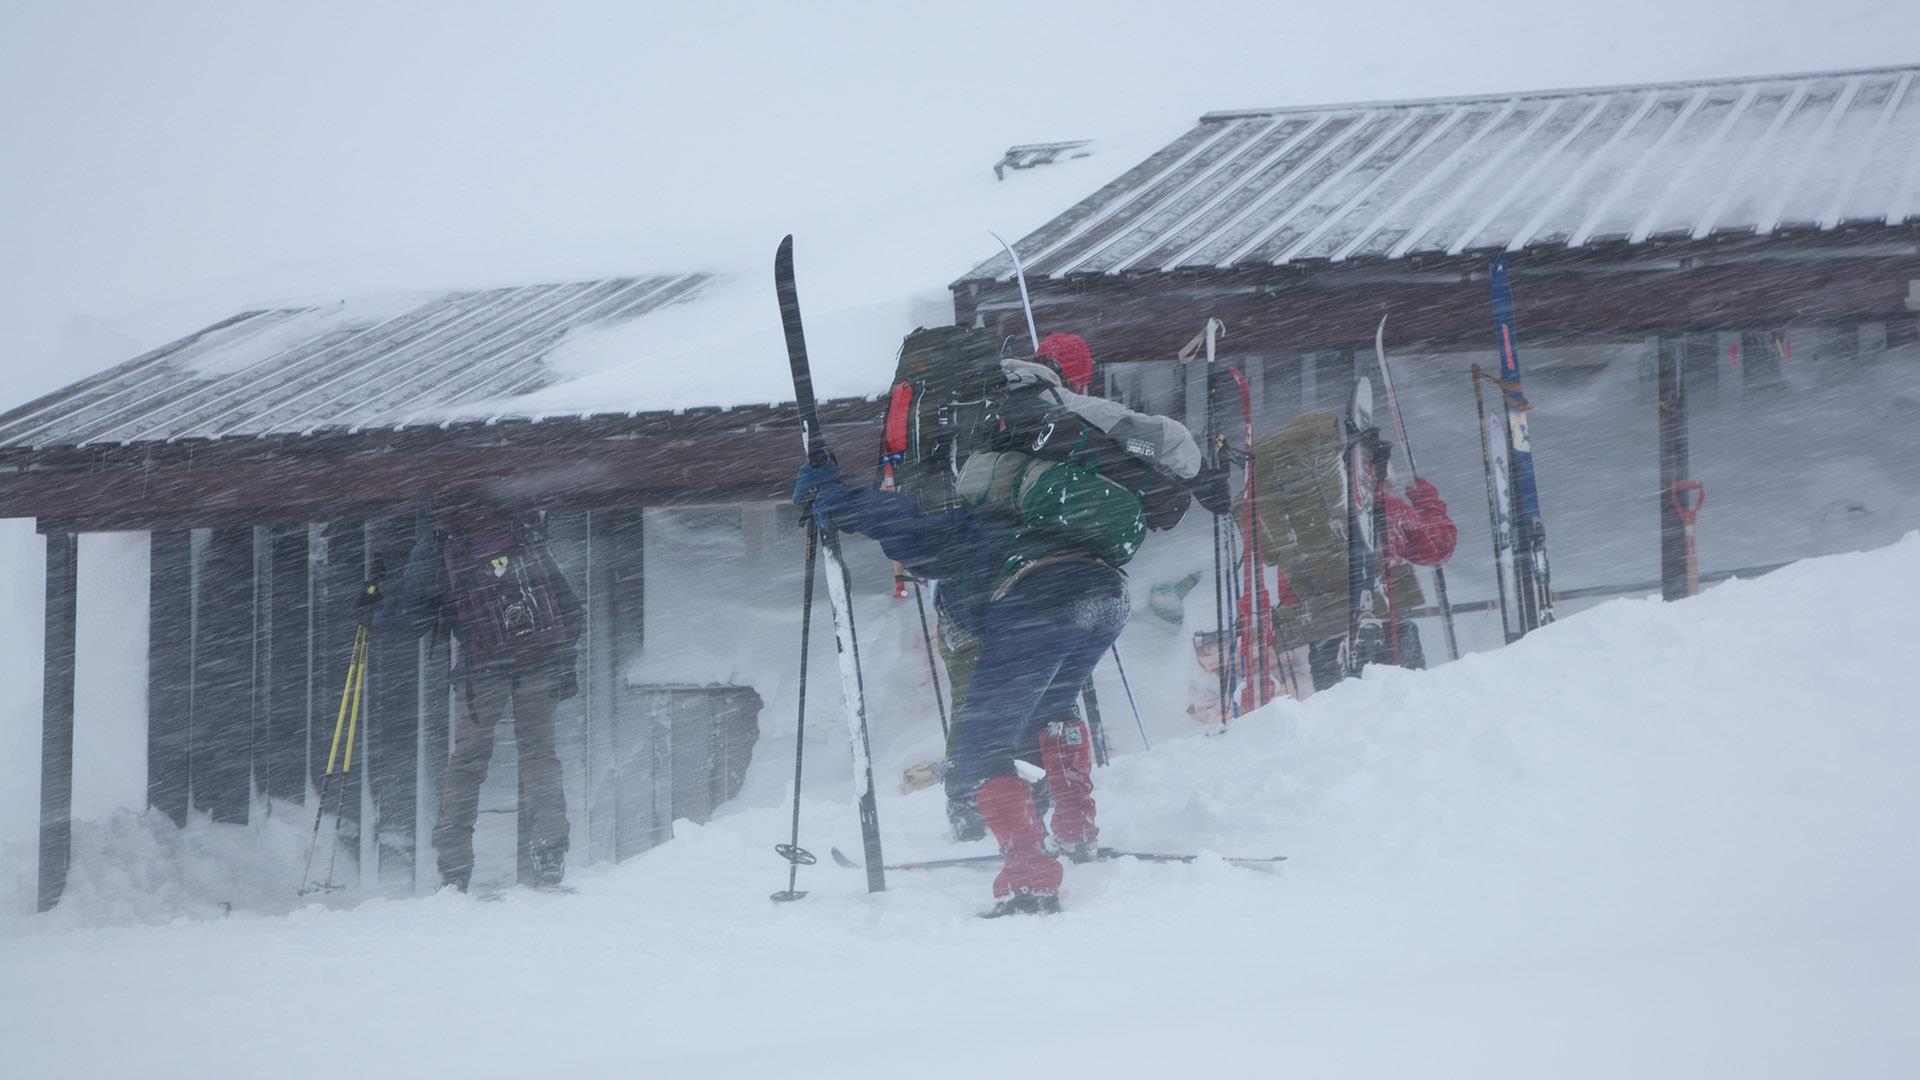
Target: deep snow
point(1650, 840)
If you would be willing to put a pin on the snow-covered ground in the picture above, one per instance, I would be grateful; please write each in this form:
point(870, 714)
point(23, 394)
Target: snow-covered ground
point(1651, 840)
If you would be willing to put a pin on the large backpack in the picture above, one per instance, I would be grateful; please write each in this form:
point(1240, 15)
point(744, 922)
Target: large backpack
point(943, 407)
point(951, 399)
point(506, 606)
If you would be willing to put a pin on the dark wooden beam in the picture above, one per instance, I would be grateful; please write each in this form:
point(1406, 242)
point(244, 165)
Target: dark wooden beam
point(391, 730)
point(1672, 406)
point(223, 665)
point(294, 488)
point(338, 577)
point(284, 669)
point(1286, 309)
point(617, 584)
point(170, 673)
point(56, 717)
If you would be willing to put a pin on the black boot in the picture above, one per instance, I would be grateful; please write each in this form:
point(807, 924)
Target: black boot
point(1024, 904)
point(964, 820)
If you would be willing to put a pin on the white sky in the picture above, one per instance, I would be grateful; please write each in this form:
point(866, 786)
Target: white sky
point(169, 164)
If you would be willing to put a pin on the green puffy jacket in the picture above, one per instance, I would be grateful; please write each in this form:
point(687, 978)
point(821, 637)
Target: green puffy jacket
point(1064, 508)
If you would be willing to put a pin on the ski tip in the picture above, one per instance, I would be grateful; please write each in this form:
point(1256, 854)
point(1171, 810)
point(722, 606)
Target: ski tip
point(840, 858)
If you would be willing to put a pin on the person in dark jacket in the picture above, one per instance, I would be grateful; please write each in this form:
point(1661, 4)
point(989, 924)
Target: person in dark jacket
point(483, 572)
point(1042, 614)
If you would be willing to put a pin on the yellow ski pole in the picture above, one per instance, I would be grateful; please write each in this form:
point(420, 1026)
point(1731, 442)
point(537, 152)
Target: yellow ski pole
point(346, 692)
point(353, 716)
point(356, 676)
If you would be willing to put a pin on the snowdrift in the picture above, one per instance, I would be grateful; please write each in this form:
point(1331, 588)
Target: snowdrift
point(1651, 840)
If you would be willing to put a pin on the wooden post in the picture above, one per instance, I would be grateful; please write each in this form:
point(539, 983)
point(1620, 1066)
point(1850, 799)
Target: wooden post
point(337, 575)
point(282, 690)
point(56, 716)
point(615, 595)
point(391, 728)
point(170, 673)
point(1673, 465)
point(222, 711)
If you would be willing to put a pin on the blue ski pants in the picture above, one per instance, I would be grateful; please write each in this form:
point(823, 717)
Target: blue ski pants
point(1038, 645)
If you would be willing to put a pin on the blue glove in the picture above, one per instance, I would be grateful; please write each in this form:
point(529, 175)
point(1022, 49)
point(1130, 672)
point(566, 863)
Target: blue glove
point(819, 485)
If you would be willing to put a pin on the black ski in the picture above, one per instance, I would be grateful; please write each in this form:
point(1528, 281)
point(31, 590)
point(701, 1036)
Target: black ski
point(1105, 854)
point(839, 584)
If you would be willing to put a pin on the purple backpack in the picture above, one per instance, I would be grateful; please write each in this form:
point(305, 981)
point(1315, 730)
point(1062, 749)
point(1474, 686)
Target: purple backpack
point(505, 604)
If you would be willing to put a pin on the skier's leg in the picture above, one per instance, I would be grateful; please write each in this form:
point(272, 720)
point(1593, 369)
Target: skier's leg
point(1323, 660)
point(959, 651)
point(1099, 611)
point(482, 698)
point(1028, 874)
point(1019, 657)
point(542, 789)
point(1018, 661)
point(1411, 654)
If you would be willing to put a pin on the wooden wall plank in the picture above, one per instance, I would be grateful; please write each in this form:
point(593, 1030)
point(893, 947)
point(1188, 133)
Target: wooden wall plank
point(286, 668)
point(221, 755)
point(170, 673)
point(392, 728)
point(56, 716)
point(1673, 361)
point(337, 576)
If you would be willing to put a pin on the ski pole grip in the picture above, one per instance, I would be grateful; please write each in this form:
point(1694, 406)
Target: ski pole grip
point(1687, 510)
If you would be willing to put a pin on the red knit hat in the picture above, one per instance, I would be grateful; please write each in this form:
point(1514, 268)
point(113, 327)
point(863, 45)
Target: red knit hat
point(1070, 354)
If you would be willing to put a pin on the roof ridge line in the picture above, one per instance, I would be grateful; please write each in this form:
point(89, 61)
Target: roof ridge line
point(1564, 92)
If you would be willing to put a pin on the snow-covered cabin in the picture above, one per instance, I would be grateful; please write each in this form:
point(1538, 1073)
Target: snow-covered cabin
point(1755, 241)
point(1743, 252)
point(272, 462)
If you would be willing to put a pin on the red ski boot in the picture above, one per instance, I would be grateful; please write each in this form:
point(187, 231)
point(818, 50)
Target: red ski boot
point(1029, 881)
point(1067, 749)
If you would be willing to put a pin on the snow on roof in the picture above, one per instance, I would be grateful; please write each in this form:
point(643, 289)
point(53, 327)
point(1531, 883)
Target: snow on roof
point(1565, 168)
point(386, 363)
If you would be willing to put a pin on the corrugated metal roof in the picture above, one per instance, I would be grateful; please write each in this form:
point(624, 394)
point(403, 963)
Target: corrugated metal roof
point(1560, 169)
point(370, 365)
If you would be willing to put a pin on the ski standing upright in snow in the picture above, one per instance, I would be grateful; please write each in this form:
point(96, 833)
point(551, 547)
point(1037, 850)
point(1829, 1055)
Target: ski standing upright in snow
point(825, 544)
point(1371, 619)
point(1532, 590)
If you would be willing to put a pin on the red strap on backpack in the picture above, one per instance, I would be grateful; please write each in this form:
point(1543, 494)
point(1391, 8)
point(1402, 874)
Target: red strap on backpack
point(899, 410)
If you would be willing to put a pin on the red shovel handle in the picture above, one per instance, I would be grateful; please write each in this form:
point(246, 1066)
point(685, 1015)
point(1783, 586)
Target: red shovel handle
point(1689, 512)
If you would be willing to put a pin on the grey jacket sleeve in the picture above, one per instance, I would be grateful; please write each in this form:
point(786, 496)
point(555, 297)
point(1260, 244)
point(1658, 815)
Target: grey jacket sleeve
point(1162, 440)
point(1159, 440)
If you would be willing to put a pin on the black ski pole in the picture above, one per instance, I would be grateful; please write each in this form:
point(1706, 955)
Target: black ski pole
point(1091, 699)
point(795, 855)
point(933, 667)
point(1127, 685)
